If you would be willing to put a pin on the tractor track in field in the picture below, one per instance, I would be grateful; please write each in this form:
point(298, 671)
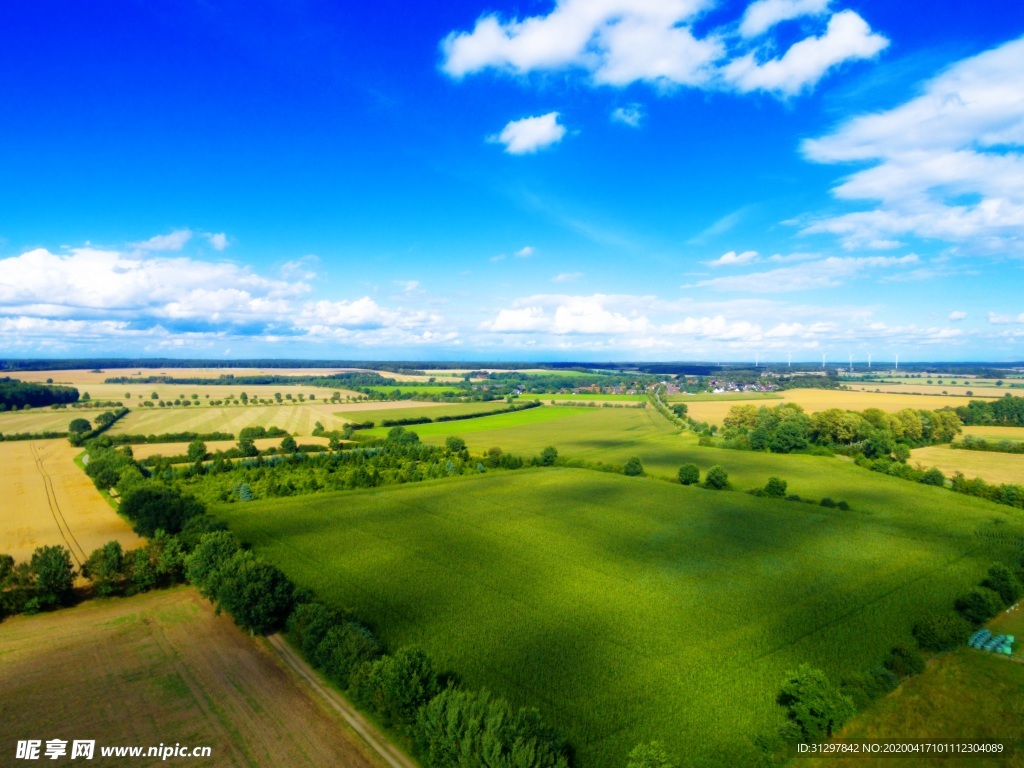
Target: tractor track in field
point(58, 516)
point(388, 752)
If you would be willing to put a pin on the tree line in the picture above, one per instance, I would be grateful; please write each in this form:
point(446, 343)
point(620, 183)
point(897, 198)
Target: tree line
point(15, 394)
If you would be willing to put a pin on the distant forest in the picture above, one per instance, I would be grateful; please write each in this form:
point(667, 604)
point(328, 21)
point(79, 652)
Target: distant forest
point(20, 393)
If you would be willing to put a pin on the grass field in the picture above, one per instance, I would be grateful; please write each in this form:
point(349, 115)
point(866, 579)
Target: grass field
point(296, 419)
point(995, 434)
point(417, 410)
point(45, 499)
point(631, 609)
point(425, 389)
point(586, 397)
point(931, 706)
point(991, 466)
point(160, 668)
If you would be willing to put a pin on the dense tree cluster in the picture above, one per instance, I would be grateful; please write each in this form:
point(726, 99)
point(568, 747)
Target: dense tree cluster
point(16, 394)
point(1007, 411)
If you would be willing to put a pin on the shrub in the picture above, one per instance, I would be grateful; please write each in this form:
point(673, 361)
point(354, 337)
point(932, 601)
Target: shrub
point(716, 478)
point(395, 687)
point(343, 648)
point(53, 575)
point(689, 474)
point(651, 755)
point(775, 487)
point(842, 505)
point(634, 467)
point(934, 476)
point(156, 507)
point(827, 502)
point(548, 456)
point(942, 633)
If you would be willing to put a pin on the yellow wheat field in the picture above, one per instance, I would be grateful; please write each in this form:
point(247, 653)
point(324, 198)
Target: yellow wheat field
point(990, 466)
point(46, 499)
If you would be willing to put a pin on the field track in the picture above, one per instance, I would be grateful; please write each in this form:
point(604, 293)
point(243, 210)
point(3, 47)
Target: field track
point(387, 751)
point(72, 544)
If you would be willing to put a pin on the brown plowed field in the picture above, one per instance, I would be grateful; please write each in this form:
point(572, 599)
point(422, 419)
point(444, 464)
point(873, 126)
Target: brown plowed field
point(161, 668)
point(46, 499)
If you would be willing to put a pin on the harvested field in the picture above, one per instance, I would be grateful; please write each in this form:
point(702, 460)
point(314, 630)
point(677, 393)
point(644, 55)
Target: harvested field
point(995, 434)
point(40, 420)
point(815, 400)
point(990, 466)
point(46, 499)
point(296, 419)
point(161, 668)
point(147, 450)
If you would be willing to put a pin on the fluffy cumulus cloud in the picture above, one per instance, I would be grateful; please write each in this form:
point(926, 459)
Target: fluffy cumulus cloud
point(631, 115)
point(945, 165)
point(957, 315)
point(846, 38)
point(620, 42)
point(141, 295)
point(530, 134)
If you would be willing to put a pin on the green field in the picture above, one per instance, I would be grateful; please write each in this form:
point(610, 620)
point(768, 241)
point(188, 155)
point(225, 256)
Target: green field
point(40, 420)
point(631, 609)
point(529, 426)
point(422, 389)
point(296, 419)
point(430, 411)
point(586, 397)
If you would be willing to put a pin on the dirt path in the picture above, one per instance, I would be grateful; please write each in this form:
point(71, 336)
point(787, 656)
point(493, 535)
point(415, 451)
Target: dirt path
point(373, 737)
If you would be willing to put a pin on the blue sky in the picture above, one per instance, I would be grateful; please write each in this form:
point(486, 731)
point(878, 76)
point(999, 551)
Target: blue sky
point(581, 179)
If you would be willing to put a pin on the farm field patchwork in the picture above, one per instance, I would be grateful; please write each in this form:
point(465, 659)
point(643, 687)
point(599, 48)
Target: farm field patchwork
point(612, 603)
point(991, 466)
point(47, 500)
point(417, 410)
point(161, 668)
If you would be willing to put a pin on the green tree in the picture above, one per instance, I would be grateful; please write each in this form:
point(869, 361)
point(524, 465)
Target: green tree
point(548, 456)
point(288, 444)
point(196, 450)
point(634, 467)
point(942, 633)
point(979, 605)
point(815, 707)
point(904, 662)
point(345, 646)
point(143, 574)
point(934, 476)
point(257, 594)
point(105, 568)
point(79, 426)
point(651, 755)
point(395, 687)
point(455, 444)
point(203, 567)
point(157, 507)
point(53, 576)
point(716, 478)
point(1004, 583)
point(775, 487)
point(689, 474)
point(789, 436)
point(901, 452)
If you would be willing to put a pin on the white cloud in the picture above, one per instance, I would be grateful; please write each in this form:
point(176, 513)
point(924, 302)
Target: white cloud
point(174, 241)
point(847, 38)
point(631, 115)
point(1001, 319)
point(944, 165)
point(530, 134)
point(525, 252)
point(810, 275)
point(567, 277)
point(957, 315)
point(409, 287)
point(762, 15)
point(91, 296)
point(218, 240)
point(621, 42)
point(733, 259)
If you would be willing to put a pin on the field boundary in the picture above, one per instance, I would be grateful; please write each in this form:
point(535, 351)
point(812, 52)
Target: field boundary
point(387, 751)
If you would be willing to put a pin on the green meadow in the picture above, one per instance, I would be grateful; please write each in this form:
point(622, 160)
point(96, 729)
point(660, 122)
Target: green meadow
point(632, 609)
point(431, 411)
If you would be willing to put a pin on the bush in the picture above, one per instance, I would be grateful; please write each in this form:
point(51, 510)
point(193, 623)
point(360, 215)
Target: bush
point(633, 468)
point(775, 487)
point(716, 478)
point(689, 474)
point(979, 605)
point(53, 575)
point(942, 633)
point(843, 506)
point(309, 624)
point(651, 755)
point(934, 476)
point(548, 456)
point(343, 648)
point(904, 662)
point(827, 502)
point(258, 595)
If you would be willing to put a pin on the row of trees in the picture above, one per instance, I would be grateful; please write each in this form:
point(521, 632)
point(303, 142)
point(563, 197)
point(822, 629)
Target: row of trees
point(15, 394)
point(1006, 411)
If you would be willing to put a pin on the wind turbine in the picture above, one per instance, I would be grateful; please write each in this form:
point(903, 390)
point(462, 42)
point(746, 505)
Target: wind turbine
point(897, 361)
point(823, 361)
point(869, 361)
point(790, 359)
